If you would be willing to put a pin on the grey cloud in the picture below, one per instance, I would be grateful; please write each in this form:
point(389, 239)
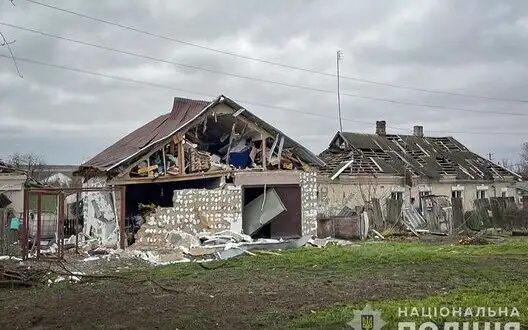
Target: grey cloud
point(461, 46)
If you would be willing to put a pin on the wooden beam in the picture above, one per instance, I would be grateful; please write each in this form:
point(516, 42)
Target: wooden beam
point(263, 146)
point(171, 178)
point(164, 158)
point(230, 142)
point(130, 167)
point(181, 158)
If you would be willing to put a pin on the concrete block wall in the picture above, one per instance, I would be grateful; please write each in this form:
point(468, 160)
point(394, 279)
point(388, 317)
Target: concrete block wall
point(308, 181)
point(194, 211)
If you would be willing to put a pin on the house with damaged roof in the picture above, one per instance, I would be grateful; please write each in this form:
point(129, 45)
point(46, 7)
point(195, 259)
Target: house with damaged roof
point(206, 166)
point(360, 167)
point(12, 184)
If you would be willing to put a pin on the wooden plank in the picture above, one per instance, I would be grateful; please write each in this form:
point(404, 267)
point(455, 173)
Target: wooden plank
point(147, 169)
point(279, 153)
point(181, 158)
point(170, 178)
point(264, 166)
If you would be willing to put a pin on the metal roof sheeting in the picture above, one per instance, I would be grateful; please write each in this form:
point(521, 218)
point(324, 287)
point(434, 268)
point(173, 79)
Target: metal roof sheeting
point(184, 112)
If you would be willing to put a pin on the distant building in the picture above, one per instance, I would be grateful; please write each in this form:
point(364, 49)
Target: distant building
point(360, 167)
point(12, 183)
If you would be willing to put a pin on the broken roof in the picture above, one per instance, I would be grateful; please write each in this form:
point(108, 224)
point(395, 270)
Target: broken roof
point(432, 157)
point(6, 168)
point(184, 112)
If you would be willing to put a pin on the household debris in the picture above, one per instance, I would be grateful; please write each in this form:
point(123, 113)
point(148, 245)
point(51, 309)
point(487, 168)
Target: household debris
point(474, 240)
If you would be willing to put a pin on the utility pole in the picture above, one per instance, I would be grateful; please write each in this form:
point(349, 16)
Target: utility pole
point(338, 59)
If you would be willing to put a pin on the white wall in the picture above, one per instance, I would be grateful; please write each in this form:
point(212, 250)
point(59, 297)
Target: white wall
point(13, 187)
point(334, 195)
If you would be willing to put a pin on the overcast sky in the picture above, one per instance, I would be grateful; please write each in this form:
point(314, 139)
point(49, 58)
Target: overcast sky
point(476, 47)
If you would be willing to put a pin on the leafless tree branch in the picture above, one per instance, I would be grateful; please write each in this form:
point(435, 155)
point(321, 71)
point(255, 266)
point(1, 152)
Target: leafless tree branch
point(12, 2)
point(6, 44)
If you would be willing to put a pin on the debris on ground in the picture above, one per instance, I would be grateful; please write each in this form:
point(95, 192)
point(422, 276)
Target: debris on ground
point(474, 240)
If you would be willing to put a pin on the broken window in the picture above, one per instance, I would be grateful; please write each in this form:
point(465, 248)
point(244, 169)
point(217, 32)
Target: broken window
point(456, 194)
point(481, 194)
point(424, 193)
point(397, 195)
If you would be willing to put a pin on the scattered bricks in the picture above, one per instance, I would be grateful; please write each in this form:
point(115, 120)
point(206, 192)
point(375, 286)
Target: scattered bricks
point(170, 257)
point(201, 251)
point(178, 239)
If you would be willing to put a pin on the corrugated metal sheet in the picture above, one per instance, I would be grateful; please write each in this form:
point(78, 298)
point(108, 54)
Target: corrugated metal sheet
point(184, 111)
point(414, 219)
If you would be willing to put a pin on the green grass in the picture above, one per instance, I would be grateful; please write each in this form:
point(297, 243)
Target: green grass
point(354, 258)
point(490, 286)
point(495, 297)
point(312, 288)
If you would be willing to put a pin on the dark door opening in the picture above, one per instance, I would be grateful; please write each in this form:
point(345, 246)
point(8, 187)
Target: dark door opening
point(287, 224)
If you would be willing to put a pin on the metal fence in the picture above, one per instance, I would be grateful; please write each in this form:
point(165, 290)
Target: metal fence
point(49, 217)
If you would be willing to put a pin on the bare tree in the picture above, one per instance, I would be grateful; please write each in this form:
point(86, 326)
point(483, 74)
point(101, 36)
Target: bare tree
point(523, 166)
point(507, 164)
point(32, 164)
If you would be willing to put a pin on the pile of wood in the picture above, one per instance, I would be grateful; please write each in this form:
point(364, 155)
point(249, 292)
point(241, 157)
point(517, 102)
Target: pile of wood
point(18, 275)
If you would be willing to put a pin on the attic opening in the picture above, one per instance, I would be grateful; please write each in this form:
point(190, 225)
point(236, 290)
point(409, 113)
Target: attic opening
point(220, 141)
point(235, 143)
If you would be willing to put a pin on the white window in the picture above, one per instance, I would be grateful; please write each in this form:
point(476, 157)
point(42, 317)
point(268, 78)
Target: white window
point(481, 194)
point(456, 194)
point(397, 195)
point(424, 193)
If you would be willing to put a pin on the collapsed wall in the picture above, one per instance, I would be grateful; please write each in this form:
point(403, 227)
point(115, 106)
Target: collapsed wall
point(99, 213)
point(194, 211)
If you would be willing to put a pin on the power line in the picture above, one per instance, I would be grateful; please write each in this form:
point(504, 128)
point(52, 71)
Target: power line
point(313, 89)
point(102, 75)
point(7, 44)
point(151, 34)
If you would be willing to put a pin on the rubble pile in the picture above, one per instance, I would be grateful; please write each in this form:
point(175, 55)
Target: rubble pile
point(223, 245)
point(473, 240)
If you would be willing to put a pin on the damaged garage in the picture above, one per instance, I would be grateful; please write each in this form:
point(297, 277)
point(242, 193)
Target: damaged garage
point(203, 168)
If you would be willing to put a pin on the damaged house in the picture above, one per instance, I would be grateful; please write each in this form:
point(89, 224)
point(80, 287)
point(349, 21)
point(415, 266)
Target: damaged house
point(12, 184)
point(205, 167)
point(408, 168)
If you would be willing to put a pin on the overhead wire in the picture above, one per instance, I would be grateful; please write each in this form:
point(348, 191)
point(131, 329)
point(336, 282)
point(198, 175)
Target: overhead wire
point(313, 89)
point(253, 103)
point(283, 65)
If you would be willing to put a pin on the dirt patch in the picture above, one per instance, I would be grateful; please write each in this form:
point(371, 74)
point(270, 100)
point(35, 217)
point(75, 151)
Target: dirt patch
point(229, 299)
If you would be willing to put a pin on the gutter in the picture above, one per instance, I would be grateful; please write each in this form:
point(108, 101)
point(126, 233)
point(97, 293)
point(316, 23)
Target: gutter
point(216, 101)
